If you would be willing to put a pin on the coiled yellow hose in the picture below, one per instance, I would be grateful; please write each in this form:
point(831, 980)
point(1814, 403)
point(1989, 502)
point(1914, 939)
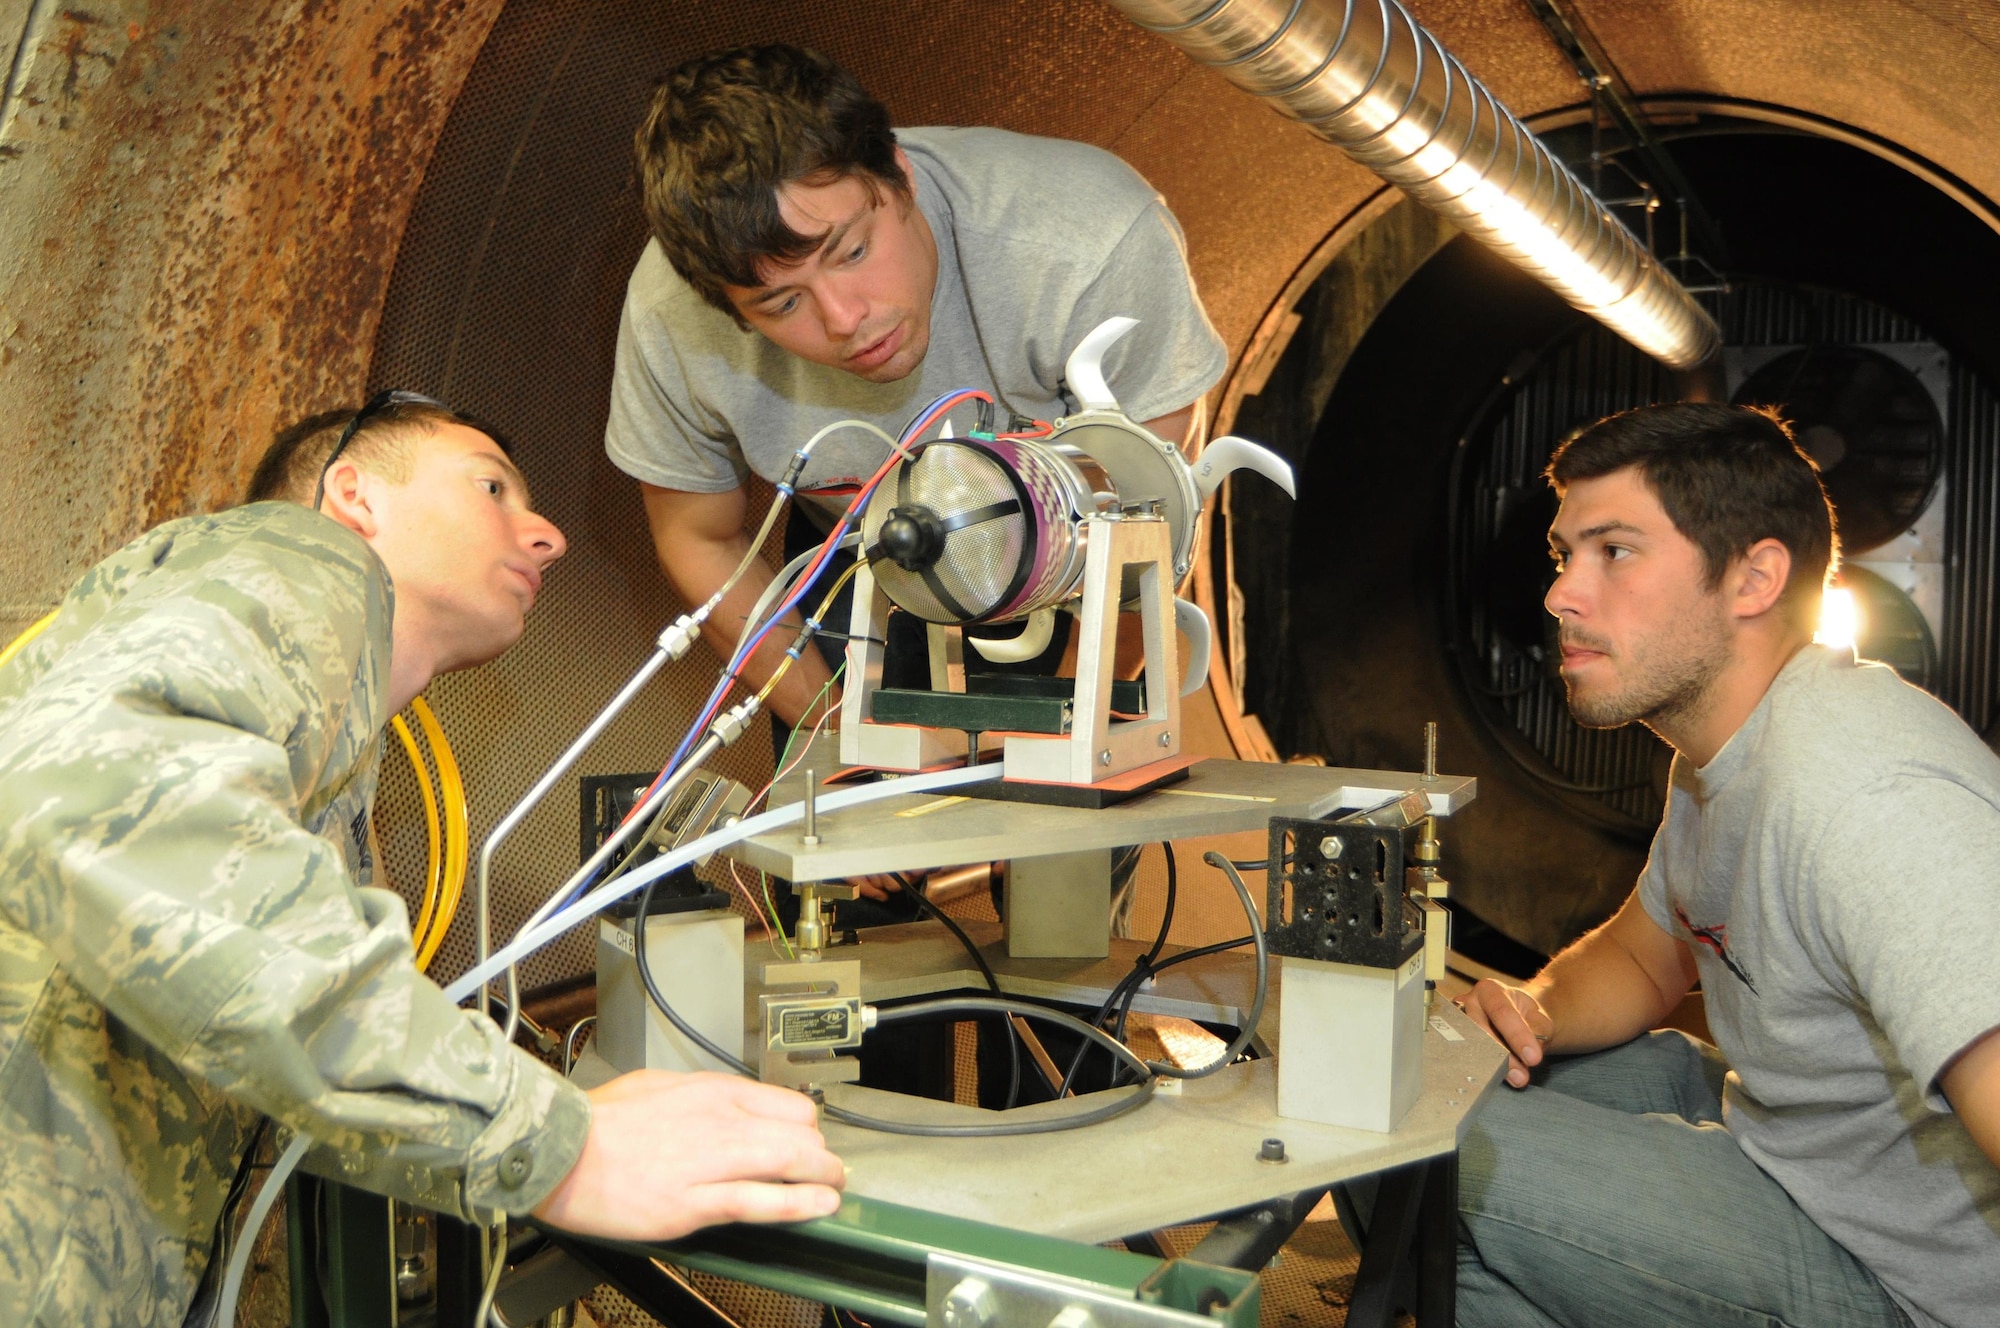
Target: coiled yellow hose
point(457, 833)
point(20, 643)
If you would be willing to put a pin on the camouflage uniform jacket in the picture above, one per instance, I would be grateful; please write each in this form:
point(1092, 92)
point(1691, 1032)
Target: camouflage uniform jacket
point(186, 756)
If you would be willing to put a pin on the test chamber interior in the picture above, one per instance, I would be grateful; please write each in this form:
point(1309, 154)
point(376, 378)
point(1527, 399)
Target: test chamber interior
point(439, 197)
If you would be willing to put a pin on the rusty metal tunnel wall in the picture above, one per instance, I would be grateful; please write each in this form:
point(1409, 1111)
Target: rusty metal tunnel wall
point(215, 219)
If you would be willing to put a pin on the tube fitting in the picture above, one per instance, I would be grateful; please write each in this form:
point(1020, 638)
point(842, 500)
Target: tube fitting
point(729, 725)
point(680, 635)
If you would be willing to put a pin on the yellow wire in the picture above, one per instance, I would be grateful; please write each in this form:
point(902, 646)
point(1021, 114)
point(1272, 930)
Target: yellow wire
point(444, 883)
point(786, 663)
point(20, 643)
point(457, 835)
point(434, 859)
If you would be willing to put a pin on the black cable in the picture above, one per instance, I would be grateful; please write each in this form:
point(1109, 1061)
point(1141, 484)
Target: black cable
point(1202, 952)
point(1038, 1125)
point(1141, 967)
point(925, 903)
point(1249, 1029)
point(1166, 913)
point(1006, 1005)
point(686, 1030)
point(982, 1004)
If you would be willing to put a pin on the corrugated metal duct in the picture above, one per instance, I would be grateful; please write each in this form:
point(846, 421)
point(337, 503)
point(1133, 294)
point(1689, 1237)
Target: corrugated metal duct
point(1366, 77)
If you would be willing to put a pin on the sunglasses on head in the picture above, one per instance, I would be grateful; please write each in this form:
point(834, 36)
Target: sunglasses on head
point(378, 403)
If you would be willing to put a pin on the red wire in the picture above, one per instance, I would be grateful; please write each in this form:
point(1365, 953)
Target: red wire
point(897, 453)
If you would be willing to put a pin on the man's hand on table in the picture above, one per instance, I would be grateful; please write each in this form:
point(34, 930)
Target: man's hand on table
point(1514, 1019)
point(883, 884)
point(668, 1153)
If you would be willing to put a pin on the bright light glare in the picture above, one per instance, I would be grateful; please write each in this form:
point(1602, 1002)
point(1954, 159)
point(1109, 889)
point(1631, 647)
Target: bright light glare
point(1839, 619)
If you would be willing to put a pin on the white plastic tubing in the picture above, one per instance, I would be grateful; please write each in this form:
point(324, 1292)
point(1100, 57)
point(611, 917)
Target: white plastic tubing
point(582, 910)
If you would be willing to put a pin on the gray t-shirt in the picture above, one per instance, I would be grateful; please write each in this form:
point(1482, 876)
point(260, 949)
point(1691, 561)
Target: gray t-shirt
point(1039, 240)
point(1836, 871)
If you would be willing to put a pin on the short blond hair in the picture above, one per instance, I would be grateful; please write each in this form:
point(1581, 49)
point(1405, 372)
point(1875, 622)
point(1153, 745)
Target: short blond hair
point(384, 445)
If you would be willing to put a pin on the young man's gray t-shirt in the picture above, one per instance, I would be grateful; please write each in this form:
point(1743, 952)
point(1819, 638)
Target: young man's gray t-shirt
point(1836, 871)
point(1039, 240)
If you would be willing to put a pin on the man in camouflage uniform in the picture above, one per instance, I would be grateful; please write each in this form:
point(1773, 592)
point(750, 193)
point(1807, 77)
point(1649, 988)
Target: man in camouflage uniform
point(187, 758)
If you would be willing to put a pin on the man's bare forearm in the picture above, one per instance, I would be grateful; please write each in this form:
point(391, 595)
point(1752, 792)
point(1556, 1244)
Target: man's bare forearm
point(700, 541)
point(790, 700)
point(1612, 985)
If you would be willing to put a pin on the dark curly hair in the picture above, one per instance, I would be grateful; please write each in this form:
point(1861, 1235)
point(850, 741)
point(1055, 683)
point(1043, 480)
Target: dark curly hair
point(727, 131)
point(1728, 476)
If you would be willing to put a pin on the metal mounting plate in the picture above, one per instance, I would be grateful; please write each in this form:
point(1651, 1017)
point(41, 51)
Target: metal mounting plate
point(1218, 797)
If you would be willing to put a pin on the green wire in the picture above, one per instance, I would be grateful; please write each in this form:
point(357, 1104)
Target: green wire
point(785, 757)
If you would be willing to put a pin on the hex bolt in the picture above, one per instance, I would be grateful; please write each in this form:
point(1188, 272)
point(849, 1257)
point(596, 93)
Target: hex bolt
point(970, 1304)
point(1330, 846)
point(1272, 1150)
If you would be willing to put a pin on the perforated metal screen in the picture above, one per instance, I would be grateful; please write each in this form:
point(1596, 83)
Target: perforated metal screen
point(505, 302)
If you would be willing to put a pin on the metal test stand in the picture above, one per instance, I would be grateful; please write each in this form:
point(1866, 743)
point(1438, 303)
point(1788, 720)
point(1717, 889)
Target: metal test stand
point(1010, 1225)
point(1002, 1231)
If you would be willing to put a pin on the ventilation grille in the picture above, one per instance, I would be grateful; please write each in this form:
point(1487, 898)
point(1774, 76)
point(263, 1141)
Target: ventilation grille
point(980, 562)
point(1500, 509)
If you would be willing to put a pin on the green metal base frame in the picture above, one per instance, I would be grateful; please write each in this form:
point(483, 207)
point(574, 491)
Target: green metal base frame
point(880, 1260)
point(999, 703)
point(887, 1263)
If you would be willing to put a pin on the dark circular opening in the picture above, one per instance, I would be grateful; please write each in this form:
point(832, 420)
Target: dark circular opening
point(1870, 423)
point(1419, 399)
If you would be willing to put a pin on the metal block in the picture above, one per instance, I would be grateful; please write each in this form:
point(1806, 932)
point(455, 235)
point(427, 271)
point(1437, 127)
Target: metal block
point(1354, 1042)
point(809, 1013)
point(1128, 695)
point(972, 713)
point(697, 958)
point(1059, 906)
point(1340, 894)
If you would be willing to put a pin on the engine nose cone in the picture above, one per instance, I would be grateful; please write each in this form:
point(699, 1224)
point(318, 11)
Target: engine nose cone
point(913, 537)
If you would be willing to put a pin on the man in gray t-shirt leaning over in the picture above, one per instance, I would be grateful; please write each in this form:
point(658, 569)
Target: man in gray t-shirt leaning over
point(1828, 867)
point(809, 265)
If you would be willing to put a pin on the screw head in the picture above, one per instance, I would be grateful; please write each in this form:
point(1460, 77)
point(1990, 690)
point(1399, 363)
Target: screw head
point(970, 1304)
point(1330, 846)
point(1272, 1150)
point(1166, 738)
point(1104, 757)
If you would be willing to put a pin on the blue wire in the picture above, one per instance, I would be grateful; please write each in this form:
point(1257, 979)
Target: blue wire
point(748, 647)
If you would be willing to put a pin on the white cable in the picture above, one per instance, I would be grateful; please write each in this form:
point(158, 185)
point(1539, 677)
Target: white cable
point(487, 1316)
point(631, 882)
point(580, 911)
point(813, 441)
point(239, 1258)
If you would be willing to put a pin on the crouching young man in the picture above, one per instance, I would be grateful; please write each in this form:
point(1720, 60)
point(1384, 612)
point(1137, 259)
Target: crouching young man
point(187, 941)
point(1828, 868)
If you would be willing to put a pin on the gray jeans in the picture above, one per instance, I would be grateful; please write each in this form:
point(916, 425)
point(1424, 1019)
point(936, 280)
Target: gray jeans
point(1608, 1193)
